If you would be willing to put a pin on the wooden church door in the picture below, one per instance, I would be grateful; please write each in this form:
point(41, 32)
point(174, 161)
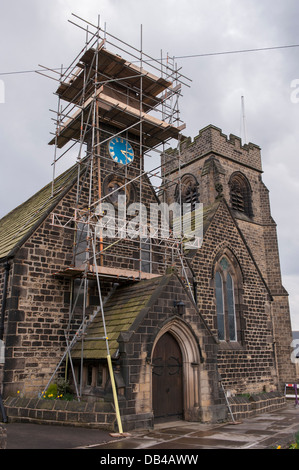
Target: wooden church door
point(167, 378)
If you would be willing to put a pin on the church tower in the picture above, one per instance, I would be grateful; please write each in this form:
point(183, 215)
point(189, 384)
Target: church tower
point(215, 167)
point(115, 112)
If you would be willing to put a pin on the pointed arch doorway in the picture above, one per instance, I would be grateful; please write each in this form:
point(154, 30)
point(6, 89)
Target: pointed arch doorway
point(167, 379)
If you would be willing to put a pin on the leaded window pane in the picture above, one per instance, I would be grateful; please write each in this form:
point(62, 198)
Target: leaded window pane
point(219, 306)
point(231, 308)
point(224, 263)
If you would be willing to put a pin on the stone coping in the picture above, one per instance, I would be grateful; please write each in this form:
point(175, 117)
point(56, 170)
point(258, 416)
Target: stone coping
point(101, 414)
point(76, 413)
point(248, 406)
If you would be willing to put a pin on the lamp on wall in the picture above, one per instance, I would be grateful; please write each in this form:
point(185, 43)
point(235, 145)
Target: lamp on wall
point(180, 307)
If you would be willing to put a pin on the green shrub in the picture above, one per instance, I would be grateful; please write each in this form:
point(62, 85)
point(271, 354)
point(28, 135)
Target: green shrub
point(59, 390)
point(63, 387)
point(51, 393)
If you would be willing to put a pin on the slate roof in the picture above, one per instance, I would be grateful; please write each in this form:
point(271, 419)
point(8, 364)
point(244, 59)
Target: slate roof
point(201, 225)
point(21, 222)
point(123, 311)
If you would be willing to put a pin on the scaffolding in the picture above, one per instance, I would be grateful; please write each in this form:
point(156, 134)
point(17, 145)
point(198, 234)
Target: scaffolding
point(116, 93)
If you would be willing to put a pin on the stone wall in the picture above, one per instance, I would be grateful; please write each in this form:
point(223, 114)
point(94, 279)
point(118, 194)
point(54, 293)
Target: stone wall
point(248, 364)
point(33, 410)
point(38, 305)
point(102, 416)
point(203, 399)
point(243, 407)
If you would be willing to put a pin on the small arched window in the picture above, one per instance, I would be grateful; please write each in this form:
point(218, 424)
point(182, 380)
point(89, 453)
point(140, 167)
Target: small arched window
point(187, 191)
point(240, 194)
point(225, 301)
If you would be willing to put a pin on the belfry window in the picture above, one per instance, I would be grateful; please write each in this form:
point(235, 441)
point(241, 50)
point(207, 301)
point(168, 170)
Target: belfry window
point(240, 194)
point(187, 191)
point(191, 196)
point(225, 302)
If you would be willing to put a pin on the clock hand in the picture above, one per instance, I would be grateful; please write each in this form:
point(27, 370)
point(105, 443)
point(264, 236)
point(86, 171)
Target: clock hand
point(125, 153)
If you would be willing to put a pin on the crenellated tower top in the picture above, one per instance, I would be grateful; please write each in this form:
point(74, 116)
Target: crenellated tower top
point(209, 140)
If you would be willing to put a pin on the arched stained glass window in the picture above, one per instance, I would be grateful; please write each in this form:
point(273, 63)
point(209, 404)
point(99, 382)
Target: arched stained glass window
point(219, 306)
point(231, 308)
point(225, 302)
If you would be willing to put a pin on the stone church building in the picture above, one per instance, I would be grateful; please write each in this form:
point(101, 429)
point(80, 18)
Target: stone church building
point(184, 327)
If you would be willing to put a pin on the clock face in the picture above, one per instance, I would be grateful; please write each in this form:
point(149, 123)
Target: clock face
point(120, 150)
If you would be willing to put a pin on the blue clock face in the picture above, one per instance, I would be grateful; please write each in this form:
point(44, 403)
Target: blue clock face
point(120, 150)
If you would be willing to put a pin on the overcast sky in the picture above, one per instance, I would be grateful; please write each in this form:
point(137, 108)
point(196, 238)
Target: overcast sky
point(34, 32)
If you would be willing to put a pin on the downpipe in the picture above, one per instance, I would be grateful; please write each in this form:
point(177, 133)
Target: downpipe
point(4, 298)
point(2, 319)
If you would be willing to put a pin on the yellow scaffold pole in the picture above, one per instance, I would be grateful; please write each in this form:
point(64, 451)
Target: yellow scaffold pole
point(120, 428)
point(111, 373)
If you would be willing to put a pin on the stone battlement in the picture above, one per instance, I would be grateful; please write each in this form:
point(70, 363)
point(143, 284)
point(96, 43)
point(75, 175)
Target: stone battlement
point(212, 140)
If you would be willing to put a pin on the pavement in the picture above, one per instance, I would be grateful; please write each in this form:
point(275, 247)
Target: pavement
point(266, 431)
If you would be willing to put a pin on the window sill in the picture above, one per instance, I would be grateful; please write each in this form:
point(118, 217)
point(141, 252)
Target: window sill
point(242, 215)
point(230, 345)
point(93, 391)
